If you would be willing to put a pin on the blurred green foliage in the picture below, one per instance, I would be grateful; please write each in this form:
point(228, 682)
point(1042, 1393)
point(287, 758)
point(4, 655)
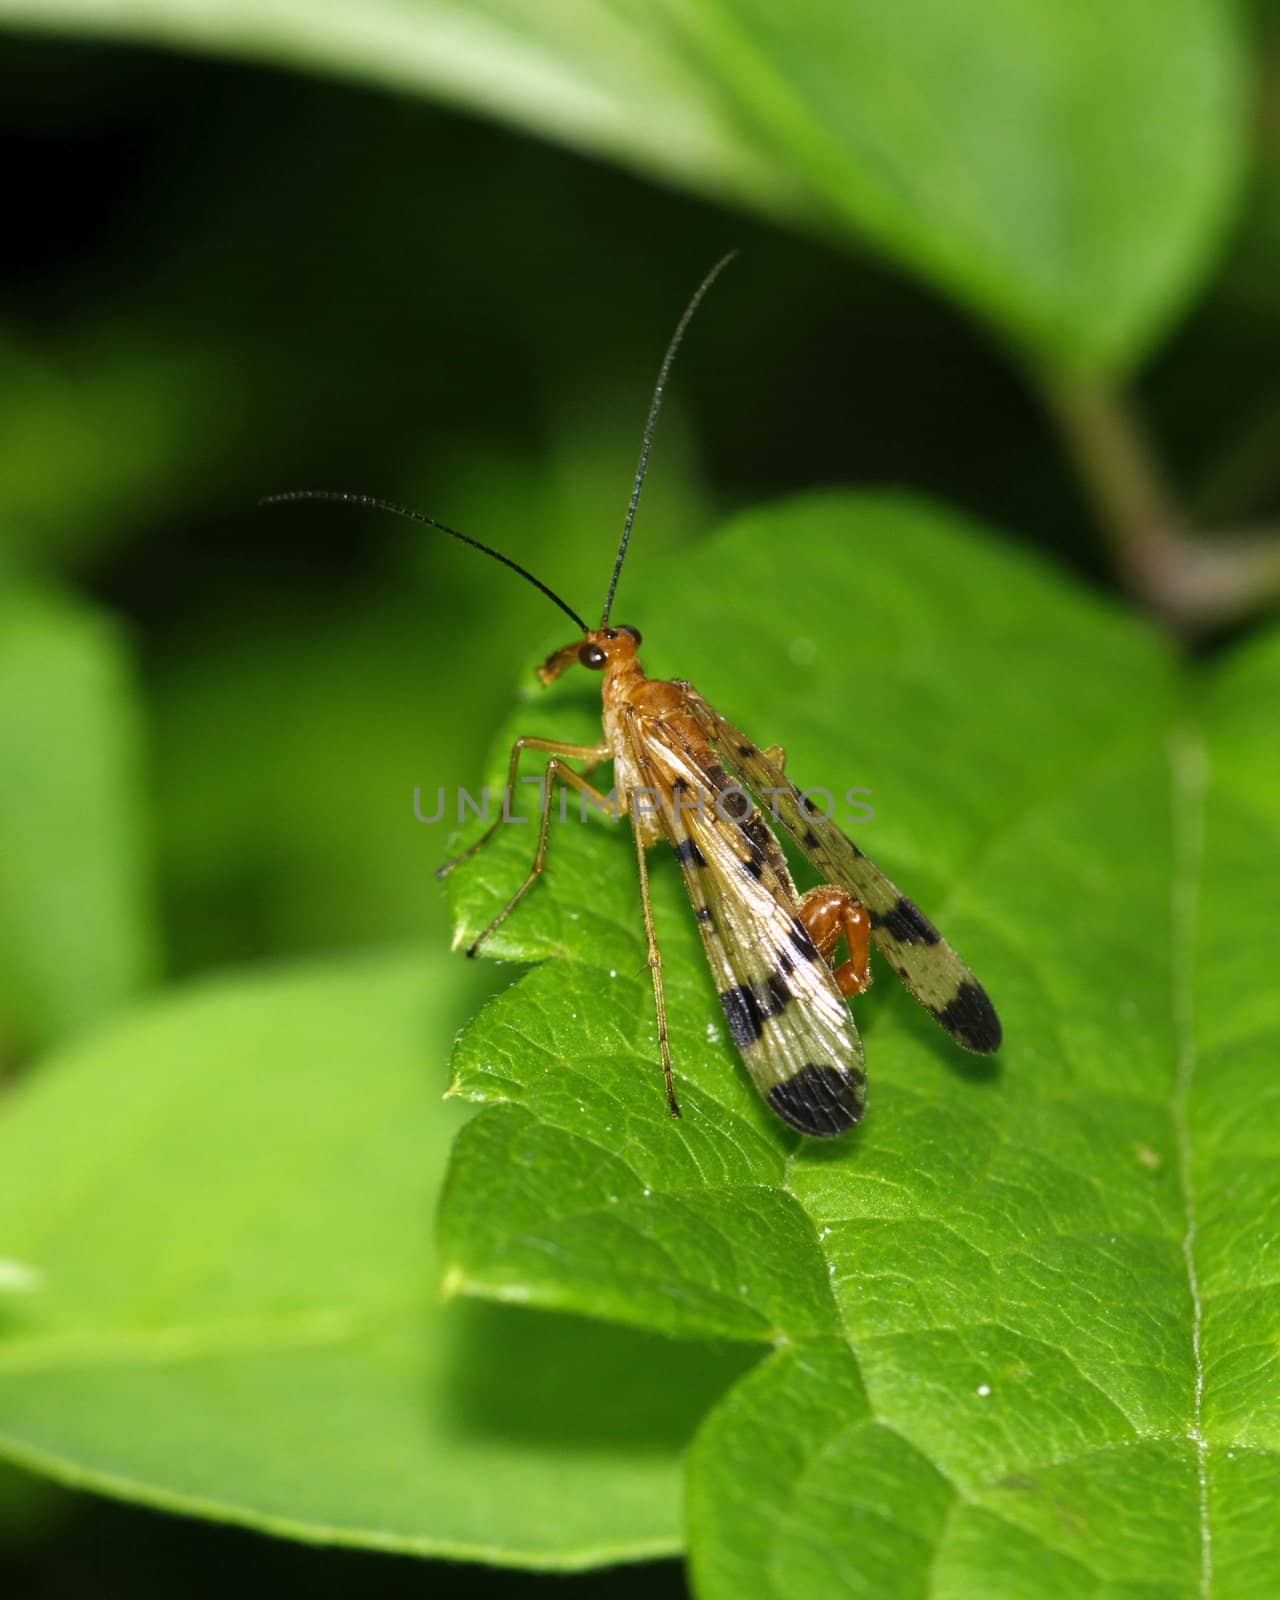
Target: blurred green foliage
point(227, 279)
point(292, 1325)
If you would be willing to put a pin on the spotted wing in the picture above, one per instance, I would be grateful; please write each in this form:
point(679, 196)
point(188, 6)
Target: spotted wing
point(780, 1000)
point(928, 966)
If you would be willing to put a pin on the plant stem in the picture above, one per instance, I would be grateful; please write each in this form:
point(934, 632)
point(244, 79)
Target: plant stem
point(1189, 583)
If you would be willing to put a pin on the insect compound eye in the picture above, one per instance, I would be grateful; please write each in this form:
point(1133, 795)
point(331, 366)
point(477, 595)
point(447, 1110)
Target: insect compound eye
point(634, 632)
point(591, 655)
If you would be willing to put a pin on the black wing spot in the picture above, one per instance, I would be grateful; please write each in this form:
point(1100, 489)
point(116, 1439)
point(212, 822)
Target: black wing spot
point(819, 1100)
point(906, 923)
point(688, 854)
point(757, 839)
point(746, 751)
point(746, 1011)
point(742, 1013)
point(786, 963)
point(970, 1018)
point(803, 940)
point(806, 805)
point(703, 913)
point(755, 830)
point(811, 839)
point(679, 786)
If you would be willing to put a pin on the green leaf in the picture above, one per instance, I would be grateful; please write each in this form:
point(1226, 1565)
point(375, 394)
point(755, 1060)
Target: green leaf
point(228, 1199)
point(76, 928)
point(1069, 181)
point(591, 74)
point(1022, 1320)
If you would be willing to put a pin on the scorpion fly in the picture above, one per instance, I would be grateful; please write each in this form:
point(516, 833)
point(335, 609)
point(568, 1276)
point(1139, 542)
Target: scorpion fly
point(684, 774)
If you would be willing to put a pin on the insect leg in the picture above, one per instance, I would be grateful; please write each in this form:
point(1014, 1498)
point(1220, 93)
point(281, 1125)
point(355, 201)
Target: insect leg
point(778, 756)
point(590, 753)
point(555, 769)
point(642, 762)
point(655, 968)
point(829, 911)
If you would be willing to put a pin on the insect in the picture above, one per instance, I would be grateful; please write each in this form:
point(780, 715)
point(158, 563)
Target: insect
point(684, 774)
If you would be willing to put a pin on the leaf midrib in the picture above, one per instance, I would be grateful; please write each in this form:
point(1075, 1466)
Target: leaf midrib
point(1189, 783)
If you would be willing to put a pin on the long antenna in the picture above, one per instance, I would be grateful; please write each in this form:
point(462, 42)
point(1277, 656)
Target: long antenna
point(655, 405)
point(374, 504)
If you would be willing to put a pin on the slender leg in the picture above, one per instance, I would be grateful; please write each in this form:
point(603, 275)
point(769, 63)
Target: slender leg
point(590, 753)
point(655, 968)
point(827, 912)
point(655, 955)
point(555, 769)
point(778, 756)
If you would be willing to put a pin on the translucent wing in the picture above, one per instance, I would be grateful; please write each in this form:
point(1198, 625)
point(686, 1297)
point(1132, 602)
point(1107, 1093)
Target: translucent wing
point(928, 966)
point(780, 1000)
